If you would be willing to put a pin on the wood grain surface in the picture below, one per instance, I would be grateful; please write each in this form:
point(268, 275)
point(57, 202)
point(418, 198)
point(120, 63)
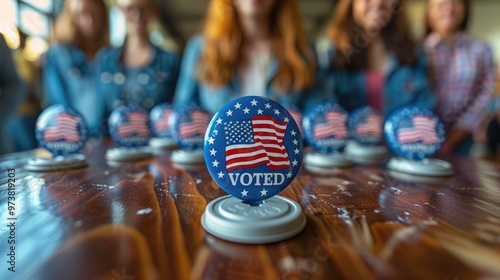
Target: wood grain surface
point(141, 220)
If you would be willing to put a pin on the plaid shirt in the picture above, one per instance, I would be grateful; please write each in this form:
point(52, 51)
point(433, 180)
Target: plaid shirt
point(462, 75)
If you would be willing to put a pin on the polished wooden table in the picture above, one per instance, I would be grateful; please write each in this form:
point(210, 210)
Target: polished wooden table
point(141, 220)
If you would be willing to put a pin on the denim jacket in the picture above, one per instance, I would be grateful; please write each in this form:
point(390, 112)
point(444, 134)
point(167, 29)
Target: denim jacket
point(404, 85)
point(69, 79)
point(145, 87)
point(190, 89)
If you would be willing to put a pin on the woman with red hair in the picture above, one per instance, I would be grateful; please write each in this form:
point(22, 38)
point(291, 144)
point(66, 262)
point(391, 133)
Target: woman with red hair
point(248, 47)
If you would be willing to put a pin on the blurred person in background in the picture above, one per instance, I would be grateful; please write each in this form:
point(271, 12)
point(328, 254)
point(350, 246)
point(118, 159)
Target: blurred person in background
point(69, 74)
point(462, 72)
point(247, 48)
point(137, 73)
point(369, 58)
point(12, 92)
point(493, 127)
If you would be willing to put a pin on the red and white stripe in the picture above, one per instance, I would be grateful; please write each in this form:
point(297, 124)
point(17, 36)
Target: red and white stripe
point(335, 126)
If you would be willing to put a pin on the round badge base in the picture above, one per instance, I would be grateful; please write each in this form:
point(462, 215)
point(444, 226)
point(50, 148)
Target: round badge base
point(187, 157)
point(163, 143)
point(417, 178)
point(426, 167)
point(127, 154)
point(334, 160)
point(363, 154)
point(57, 163)
point(275, 219)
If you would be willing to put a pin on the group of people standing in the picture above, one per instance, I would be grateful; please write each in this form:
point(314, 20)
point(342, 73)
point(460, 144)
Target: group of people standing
point(367, 56)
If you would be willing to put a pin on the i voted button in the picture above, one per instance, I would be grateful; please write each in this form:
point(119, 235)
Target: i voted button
point(62, 131)
point(366, 131)
point(159, 121)
point(188, 125)
point(325, 129)
point(253, 150)
point(366, 126)
point(415, 134)
point(129, 128)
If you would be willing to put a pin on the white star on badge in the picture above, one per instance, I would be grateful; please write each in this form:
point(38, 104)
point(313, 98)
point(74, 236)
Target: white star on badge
point(211, 140)
point(213, 152)
point(297, 151)
point(237, 105)
point(268, 106)
point(289, 175)
point(254, 102)
point(276, 112)
point(215, 163)
point(244, 192)
point(259, 112)
point(295, 142)
point(293, 132)
point(287, 119)
point(295, 162)
point(246, 110)
point(229, 113)
point(263, 192)
point(216, 132)
point(219, 121)
point(221, 175)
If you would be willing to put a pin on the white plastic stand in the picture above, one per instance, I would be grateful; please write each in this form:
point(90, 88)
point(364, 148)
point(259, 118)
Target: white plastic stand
point(426, 167)
point(128, 154)
point(276, 219)
point(57, 163)
point(163, 143)
point(335, 160)
point(188, 157)
point(362, 154)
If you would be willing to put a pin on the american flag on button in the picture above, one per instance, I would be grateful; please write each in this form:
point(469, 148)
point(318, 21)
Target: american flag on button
point(197, 125)
point(256, 142)
point(424, 130)
point(137, 125)
point(162, 123)
point(334, 125)
point(66, 128)
point(372, 126)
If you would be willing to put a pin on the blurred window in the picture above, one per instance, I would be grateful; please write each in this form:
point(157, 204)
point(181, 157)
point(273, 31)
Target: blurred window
point(31, 17)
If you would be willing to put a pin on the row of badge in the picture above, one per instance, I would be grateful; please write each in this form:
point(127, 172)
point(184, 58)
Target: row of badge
point(411, 132)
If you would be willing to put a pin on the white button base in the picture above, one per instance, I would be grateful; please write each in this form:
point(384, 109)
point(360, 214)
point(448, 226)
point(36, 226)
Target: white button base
point(163, 143)
point(417, 178)
point(127, 154)
point(337, 160)
point(365, 154)
point(426, 167)
point(188, 157)
point(276, 219)
point(57, 163)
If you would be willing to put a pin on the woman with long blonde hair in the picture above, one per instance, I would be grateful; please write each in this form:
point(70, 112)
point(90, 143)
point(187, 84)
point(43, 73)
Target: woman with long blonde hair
point(247, 47)
point(69, 71)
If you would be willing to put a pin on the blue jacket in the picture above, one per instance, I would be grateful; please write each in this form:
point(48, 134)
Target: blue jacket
point(146, 86)
point(190, 89)
point(404, 85)
point(69, 79)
